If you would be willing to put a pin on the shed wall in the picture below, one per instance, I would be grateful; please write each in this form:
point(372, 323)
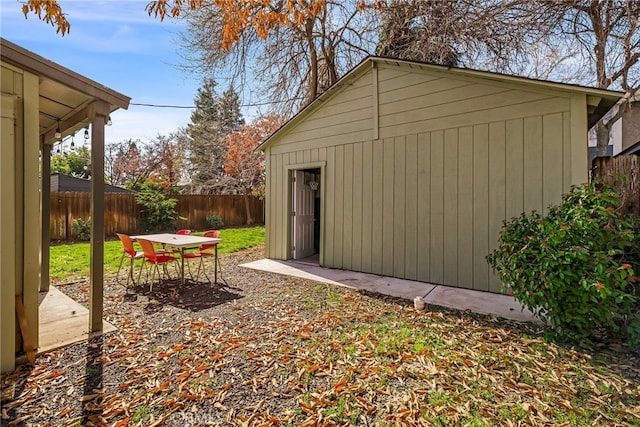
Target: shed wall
point(426, 201)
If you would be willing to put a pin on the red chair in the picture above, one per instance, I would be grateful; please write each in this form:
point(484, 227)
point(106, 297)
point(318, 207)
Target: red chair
point(128, 251)
point(155, 259)
point(204, 251)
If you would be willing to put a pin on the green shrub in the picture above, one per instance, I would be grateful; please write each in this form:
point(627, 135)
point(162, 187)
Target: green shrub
point(159, 212)
point(575, 267)
point(215, 221)
point(81, 228)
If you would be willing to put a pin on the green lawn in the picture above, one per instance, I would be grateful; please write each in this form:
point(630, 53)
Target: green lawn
point(70, 262)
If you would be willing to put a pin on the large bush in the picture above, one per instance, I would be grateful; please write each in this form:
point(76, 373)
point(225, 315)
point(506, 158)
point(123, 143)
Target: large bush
point(575, 266)
point(82, 228)
point(215, 221)
point(159, 211)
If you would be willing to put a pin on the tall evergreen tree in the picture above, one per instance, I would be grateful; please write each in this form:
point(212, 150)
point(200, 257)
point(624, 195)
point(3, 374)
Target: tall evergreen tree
point(212, 121)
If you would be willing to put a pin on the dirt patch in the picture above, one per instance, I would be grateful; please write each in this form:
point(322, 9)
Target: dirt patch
point(270, 350)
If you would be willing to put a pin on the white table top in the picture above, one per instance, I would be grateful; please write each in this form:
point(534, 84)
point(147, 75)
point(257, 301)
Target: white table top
point(178, 240)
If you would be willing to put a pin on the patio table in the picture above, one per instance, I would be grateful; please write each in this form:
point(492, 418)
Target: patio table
point(182, 242)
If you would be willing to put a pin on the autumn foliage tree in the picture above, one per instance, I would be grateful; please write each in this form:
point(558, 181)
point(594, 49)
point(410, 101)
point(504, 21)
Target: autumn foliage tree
point(131, 163)
point(48, 11)
point(238, 15)
point(290, 63)
point(243, 163)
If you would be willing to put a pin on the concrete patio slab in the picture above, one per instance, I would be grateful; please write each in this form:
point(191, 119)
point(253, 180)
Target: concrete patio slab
point(462, 299)
point(479, 302)
point(63, 321)
point(369, 282)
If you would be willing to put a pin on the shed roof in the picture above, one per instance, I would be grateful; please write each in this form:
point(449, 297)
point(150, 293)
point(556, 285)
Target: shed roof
point(64, 182)
point(600, 100)
point(64, 95)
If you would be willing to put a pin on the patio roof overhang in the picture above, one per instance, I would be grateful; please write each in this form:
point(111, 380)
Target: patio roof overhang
point(65, 96)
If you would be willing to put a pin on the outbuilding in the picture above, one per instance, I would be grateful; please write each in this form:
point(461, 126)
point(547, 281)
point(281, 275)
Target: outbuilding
point(408, 169)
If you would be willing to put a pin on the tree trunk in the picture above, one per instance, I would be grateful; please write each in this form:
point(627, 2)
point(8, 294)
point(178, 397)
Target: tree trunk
point(622, 172)
point(247, 207)
point(602, 133)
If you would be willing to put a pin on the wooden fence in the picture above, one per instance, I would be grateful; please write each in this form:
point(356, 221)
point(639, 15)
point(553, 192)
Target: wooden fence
point(123, 215)
point(622, 172)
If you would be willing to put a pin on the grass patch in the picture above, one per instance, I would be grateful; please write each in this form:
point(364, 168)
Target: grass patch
point(141, 413)
point(71, 261)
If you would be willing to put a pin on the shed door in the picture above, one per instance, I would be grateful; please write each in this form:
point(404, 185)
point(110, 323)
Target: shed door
point(303, 218)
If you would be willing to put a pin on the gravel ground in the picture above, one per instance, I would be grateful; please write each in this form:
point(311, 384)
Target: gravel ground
point(270, 350)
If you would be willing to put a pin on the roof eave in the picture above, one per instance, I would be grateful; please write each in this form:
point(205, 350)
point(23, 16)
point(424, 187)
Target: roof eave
point(36, 64)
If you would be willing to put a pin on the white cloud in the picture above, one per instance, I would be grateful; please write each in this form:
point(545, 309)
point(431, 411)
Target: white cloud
point(145, 123)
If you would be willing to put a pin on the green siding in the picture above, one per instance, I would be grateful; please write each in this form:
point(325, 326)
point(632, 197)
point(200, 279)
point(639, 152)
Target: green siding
point(566, 152)
point(388, 210)
point(330, 209)
point(450, 220)
point(9, 271)
point(399, 210)
point(532, 164)
point(437, 208)
point(465, 207)
point(347, 210)
point(497, 189)
point(357, 223)
point(339, 189)
point(551, 159)
point(514, 168)
point(367, 206)
point(480, 206)
point(268, 215)
point(426, 201)
point(377, 236)
point(411, 208)
point(424, 206)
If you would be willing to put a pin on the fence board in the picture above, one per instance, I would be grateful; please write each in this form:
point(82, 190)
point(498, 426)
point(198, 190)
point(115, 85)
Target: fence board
point(622, 172)
point(123, 215)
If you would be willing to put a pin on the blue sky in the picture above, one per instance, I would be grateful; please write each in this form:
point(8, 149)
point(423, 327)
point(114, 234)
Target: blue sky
point(118, 45)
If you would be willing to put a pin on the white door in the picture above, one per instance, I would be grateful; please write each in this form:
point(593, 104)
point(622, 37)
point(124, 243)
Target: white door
point(303, 219)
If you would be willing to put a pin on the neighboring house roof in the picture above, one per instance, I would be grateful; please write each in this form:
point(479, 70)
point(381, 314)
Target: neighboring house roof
point(599, 100)
point(634, 149)
point(64, 182)
point(64, 95)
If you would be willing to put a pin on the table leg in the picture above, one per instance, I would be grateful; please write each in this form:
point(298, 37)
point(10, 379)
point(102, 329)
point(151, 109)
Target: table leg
point(182, 266)
point(215, 265)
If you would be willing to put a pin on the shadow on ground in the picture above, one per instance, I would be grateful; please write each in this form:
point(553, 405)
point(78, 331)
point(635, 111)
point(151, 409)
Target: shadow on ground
point(191, 296)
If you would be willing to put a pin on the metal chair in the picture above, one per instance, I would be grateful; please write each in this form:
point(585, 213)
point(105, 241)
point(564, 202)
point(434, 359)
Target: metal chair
point(128, 251)
point(155, 259)
point(204, 251)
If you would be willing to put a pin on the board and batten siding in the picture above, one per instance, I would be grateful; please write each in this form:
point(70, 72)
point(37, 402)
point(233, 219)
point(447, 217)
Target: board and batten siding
point(19, 215)
point(455, 156)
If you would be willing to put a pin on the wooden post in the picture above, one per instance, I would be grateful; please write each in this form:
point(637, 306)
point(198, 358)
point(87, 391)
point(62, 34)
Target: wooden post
point(27, 342)
point(45, 209)
point(99, 111)
point(622, 172)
